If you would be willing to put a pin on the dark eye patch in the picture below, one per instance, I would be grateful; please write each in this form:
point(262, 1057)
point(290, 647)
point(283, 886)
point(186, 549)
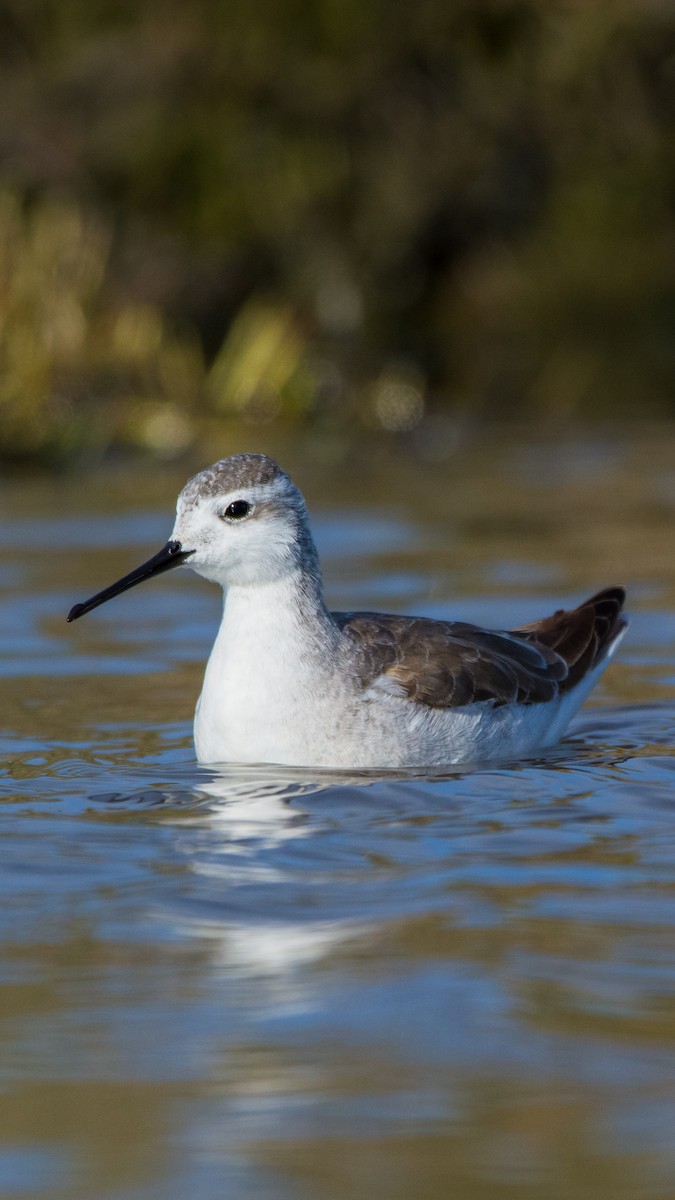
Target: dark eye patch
point(237, 510)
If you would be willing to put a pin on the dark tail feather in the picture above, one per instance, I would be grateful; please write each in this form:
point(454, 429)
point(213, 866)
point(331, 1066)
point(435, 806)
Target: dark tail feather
point(582, 636)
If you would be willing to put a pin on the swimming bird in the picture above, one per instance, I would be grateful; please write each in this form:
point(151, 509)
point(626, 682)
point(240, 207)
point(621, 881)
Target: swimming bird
point(290, 682)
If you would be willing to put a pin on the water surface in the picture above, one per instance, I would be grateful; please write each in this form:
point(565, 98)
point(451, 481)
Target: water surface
point(282, 984)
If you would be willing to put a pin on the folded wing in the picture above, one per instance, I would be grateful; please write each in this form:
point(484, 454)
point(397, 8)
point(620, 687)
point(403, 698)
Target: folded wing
point(449, 664)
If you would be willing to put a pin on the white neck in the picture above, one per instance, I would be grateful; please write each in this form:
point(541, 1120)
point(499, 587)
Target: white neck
point(270, 657)
point(285, 618)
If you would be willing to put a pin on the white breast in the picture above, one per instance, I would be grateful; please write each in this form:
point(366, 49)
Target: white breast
point(266, 695)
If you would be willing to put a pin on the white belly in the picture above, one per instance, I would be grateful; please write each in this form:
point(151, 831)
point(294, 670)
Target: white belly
point(274, 725)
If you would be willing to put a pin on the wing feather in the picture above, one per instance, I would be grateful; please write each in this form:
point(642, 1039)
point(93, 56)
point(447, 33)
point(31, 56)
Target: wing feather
point(448, 664)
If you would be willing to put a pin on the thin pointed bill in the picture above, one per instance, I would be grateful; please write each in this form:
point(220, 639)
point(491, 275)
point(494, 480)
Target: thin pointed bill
point(171, 555)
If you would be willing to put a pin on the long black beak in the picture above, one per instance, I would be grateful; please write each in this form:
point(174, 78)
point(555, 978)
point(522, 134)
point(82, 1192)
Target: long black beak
point(171, 555)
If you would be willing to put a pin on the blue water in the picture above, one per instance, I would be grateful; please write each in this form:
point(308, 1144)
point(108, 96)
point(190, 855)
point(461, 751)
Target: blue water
point(276, 983)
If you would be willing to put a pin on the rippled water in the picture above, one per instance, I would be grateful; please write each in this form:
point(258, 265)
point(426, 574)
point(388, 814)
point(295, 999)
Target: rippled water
point(266, 983)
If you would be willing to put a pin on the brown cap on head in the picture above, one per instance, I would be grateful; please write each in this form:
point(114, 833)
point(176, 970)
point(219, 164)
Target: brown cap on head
point(241, 470)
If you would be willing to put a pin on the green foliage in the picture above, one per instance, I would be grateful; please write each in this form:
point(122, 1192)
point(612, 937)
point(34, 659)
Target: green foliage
point(79, 370)
point(265, 210)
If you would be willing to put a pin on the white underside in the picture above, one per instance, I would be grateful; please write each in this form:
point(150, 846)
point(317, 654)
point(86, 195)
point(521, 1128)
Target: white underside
point(272, 695)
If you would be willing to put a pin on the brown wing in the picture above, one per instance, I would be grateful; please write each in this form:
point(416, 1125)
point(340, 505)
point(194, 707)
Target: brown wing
point(583, 635)
point(447, 664)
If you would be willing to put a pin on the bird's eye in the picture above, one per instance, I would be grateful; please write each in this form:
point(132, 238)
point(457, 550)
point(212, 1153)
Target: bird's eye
point(237, 510)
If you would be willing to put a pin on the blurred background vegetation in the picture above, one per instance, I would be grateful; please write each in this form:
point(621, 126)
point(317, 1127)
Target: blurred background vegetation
point(358, 215)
